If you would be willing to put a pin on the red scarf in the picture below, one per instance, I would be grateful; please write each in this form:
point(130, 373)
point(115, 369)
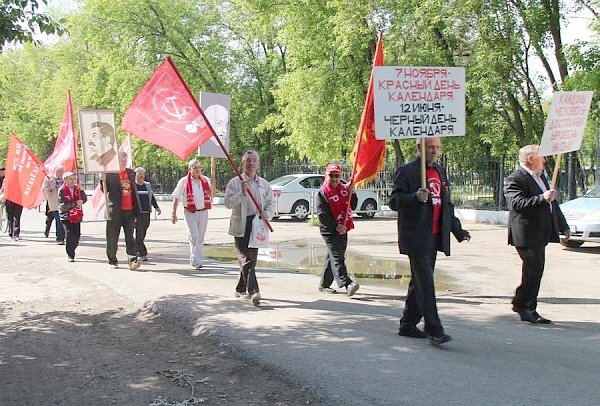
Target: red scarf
point(189, 193)
point(76, 213)
point(338, 203)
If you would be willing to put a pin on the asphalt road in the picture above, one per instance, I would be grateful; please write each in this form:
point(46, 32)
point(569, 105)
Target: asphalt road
point(347, 349)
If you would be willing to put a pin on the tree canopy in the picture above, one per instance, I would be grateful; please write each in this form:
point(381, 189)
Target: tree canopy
point(297, 72)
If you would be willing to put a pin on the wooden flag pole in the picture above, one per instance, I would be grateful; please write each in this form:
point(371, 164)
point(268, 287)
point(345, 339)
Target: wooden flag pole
point(213, 176)
point(556, 170)
point(423, 164)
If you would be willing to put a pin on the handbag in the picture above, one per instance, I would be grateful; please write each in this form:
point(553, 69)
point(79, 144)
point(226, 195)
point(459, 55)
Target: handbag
point(259, 237)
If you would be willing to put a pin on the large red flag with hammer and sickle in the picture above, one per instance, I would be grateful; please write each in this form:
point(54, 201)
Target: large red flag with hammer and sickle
point(165, 113)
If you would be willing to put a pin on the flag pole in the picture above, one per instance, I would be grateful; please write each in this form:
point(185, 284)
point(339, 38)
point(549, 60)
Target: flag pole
point(423, 163)
point(360, 132)
point(556, 169)
point(214, 134)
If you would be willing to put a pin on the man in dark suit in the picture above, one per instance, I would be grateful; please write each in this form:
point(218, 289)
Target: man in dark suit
point(425, 220)
point(123, 210)
point(534, 220)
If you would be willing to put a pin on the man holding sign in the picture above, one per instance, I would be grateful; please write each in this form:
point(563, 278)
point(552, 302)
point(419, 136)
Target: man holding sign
point(425, 220)
point(534, 220)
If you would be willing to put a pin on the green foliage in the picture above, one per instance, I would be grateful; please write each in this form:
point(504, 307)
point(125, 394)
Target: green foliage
point(21, 19)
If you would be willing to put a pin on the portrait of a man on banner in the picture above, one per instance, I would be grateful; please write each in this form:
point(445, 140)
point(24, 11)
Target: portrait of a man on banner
point(99, 141)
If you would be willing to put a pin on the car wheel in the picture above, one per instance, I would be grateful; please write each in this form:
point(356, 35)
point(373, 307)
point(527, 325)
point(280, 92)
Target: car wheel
point(369, 207)
point(300, 210)
point(572, 244)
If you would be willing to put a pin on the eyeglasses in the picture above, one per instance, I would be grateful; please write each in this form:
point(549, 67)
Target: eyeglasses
point(334, 175)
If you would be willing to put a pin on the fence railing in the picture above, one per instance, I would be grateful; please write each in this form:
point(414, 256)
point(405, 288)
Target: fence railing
point(478, 185)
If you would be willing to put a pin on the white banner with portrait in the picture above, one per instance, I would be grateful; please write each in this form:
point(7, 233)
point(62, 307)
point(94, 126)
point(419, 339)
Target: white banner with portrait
point(99, 141)
point(216, 108)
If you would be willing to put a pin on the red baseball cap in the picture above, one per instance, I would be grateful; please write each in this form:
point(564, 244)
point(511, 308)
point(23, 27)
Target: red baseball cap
point(333, 168)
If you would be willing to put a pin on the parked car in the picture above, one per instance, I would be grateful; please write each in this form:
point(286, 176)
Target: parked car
point(583, 216)
point(295, 195)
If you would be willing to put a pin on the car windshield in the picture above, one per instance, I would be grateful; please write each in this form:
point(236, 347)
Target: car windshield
point(284, 180)
point(594, 192)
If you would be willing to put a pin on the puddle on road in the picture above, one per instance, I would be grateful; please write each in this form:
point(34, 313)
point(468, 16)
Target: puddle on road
point(308, 258)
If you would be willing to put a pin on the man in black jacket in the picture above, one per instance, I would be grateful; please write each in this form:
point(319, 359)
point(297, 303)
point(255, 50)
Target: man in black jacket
point(123, 209)
point(534, 220)
point(335, 220)
point(425, 220)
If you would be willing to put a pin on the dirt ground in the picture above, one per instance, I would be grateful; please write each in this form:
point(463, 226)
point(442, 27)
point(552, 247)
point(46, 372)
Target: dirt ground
point(65, 340)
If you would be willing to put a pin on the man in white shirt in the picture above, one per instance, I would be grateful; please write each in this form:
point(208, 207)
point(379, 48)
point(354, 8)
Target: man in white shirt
point(193, 191)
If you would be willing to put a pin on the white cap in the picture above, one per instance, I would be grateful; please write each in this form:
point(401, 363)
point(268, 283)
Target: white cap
point(67, 174)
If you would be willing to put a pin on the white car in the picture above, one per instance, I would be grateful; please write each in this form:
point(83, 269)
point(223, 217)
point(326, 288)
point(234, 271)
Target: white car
point(583, 216)
point(295, 196)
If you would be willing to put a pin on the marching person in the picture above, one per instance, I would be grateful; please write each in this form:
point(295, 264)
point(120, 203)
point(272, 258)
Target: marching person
point(123, 210)
point(13, 216)
point(193, 191)
point(243, 211)
point(70, 200)
point(50, 187)
point(534, 220)
point(335, 220)
point(147, 201)
point(425, 220)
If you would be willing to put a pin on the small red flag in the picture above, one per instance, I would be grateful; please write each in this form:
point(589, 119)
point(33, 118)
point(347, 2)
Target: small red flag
point(65, 148)
point(165, 113)
point(24, 175)
point(368, 154)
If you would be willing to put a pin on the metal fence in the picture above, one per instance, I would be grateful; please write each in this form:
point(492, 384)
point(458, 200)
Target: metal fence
point(476, 185)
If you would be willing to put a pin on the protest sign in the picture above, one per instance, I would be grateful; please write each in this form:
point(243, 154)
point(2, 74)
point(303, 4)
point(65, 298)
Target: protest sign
point(413, 102)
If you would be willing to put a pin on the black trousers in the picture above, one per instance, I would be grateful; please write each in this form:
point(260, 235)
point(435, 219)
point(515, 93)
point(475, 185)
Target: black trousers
point(247, 259)
point(13, 215)
point(334, 266)
point(72, 235)
point(125, 219)
point(141, 226)
point(420, 298)
point(534, 260)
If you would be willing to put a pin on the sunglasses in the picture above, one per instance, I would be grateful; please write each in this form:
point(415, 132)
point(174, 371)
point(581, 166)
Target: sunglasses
point(334, 175)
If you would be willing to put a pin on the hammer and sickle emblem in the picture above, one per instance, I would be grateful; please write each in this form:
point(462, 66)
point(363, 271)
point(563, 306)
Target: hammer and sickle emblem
point(171, 107)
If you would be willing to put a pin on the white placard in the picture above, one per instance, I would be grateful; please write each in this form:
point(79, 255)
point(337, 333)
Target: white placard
point(216, 108)
point(99, 141)
point(418, 101)
point(566, 121)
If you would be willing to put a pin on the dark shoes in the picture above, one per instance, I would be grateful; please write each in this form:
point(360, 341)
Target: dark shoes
point(531, 316)
point(540, 319)
point(411, 331)
point(439, 339)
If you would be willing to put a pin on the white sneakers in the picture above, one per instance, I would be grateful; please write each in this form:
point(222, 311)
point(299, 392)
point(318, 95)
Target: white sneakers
point(133, 265)
point(352, 288)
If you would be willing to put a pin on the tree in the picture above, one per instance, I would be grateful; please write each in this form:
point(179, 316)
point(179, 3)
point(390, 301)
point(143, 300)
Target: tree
point(20, 20)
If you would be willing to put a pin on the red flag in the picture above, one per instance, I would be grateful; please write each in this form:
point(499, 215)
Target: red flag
point(368, 154)
point(165, 113)
point(65, 148)
point(24, 175)
point(98, 201)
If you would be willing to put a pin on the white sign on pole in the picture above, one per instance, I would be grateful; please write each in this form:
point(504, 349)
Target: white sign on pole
point(216, 109)
point(565, 124)
point(418, 101)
